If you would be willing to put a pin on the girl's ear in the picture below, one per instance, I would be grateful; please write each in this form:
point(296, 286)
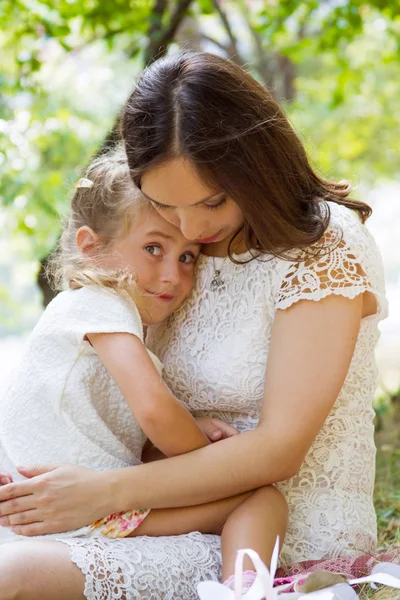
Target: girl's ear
point(86, 239)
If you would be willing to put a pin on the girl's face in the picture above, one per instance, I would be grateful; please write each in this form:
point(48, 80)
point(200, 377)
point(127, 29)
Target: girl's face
point(209, 217)
point(163, 261)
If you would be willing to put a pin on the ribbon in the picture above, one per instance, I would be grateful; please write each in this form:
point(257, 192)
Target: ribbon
point(387, 574)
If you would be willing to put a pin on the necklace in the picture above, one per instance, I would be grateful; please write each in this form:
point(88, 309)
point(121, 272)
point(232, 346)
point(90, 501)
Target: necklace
point(217, 283)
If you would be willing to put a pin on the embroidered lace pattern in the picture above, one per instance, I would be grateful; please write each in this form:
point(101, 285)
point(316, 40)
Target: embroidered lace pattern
point(214, 351)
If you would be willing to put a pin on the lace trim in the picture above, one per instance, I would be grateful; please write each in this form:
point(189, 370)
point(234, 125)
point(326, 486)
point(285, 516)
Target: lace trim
point(336, 270)
point(159, 568)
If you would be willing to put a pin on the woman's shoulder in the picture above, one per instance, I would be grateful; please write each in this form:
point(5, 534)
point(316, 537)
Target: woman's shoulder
point(345, 261)
point(346, 221)
point(354, 237)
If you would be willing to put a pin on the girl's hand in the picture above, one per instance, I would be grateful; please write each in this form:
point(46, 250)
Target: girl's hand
point(54, 499)
point(5, 478)
point(215, 429)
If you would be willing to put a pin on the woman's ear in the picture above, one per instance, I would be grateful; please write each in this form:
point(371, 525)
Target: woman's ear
point(86, 239)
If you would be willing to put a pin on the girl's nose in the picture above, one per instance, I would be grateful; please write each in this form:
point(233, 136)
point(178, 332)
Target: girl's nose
point(170, 272)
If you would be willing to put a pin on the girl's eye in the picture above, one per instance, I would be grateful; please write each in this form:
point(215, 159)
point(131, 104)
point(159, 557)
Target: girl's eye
point(187, 258)
point(215, 206)
point(154, 250)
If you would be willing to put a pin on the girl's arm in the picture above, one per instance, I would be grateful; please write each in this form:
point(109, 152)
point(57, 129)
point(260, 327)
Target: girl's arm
point(164, 420)
point(311, 348)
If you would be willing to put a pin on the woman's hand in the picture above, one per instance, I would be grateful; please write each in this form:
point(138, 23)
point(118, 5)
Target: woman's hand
point(215, 429)
point(5, 478)
point(54, 499)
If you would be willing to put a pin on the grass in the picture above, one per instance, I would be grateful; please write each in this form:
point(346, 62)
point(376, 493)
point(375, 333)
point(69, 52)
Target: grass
point(387, 500)
point(387, 496)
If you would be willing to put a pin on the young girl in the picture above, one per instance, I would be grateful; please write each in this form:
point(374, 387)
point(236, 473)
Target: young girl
point(89, 392)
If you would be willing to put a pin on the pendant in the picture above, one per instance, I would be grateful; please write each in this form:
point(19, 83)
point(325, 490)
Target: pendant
point(217, 282)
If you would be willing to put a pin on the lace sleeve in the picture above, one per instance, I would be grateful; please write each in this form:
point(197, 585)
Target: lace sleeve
point(340, 269)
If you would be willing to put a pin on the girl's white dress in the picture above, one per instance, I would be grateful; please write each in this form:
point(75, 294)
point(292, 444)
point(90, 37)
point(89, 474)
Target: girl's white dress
point(62, 405)
point(214, 351)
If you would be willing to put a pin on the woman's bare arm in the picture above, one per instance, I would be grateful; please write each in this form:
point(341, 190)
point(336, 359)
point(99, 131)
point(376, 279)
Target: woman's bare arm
point(311, 349)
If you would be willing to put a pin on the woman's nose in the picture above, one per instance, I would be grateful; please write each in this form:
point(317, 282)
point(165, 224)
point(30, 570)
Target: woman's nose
point(191, 227)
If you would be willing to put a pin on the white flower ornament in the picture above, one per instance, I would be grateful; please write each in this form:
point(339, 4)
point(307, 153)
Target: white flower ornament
point(262, 588)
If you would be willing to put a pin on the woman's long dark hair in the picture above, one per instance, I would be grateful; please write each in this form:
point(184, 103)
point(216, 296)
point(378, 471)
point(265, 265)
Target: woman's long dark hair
point(209, 110)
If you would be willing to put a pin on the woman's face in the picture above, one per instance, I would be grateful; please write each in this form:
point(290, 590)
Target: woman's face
point(207, 216)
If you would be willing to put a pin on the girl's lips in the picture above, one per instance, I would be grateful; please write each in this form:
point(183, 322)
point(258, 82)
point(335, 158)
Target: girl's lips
point(209, 240)
point(163, 297)
point(166, 297)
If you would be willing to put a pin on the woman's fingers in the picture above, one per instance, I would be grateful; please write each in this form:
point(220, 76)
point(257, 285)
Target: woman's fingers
point(16, 505)
point(32, 529)
point(15, 490)
point(19, 496)
point(36, 470)
point(23, 518)
point(56, 499)
point(5, 478)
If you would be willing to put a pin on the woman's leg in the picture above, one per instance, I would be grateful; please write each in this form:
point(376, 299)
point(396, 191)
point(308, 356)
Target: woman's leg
point(249, 520)
point(39, 570)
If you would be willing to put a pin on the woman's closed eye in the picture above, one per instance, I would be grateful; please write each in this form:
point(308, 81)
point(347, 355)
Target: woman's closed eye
point(158, 206)
point(216, 205)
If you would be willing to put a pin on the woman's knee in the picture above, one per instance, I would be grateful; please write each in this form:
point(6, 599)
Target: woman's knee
point(38, 570)
point(11, 571)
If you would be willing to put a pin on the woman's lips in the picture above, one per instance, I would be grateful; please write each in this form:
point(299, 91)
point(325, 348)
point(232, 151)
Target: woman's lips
point(209, 240)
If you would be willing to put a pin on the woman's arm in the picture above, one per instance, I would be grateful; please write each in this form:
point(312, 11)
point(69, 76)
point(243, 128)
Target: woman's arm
point(311, 349)
point(164, 420)
point(213, 428)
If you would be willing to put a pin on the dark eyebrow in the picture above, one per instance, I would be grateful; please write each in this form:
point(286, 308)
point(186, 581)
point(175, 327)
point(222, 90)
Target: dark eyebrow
point(213, 197)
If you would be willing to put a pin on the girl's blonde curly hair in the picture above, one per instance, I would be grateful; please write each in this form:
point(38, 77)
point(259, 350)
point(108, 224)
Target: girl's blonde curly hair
point(107, 207)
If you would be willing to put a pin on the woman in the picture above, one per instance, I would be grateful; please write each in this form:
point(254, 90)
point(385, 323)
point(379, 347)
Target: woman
point(277, 338)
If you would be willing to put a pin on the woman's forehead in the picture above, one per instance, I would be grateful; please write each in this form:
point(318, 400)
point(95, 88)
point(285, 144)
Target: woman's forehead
point(153, 224)
point(175, 182)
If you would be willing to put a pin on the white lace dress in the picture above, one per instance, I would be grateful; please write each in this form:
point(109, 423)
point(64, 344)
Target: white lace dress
point(214, 352)
point(62, 405)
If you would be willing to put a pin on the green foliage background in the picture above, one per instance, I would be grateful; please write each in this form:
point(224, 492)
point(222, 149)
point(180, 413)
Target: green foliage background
point(67, 66)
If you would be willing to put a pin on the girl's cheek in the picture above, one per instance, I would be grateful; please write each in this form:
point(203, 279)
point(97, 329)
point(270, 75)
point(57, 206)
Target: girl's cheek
point(187, 280)
point(191, 279)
